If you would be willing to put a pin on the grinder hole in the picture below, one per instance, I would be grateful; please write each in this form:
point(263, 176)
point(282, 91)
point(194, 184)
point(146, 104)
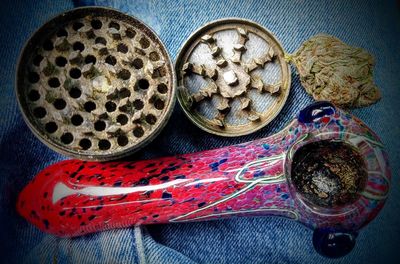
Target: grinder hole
point(110, 106)
point(151, 119)
point(61, 61)
point(124, 92)
point(122, 140)
point(138, 104)
point(124, 74)
point(67, 138)
point(144, 43)
point(96, 24)
point(99, 125)
point(100, 40)
point(59, 104)
point(130, 33)
point(154, 56)
point(110, 59)
point(90, 59)
point(121, 47)
point(37, 60)
point(85, 143)
point(138, 132)
point(137, 63)
point(51, 127)
point(75, 73)
point(76, 120)
point(54, 82)
point(104, 144)
point(328, 173)
point(62, 33)
point(33, 77)
point(159, 104)
point(114, 25)
point(162, 88)
point(89, 106)
point(33, 95)
point(75, 92)
point(77, 25)
point(39, 112)
point(78, 46)
point(48, 45)
point(122, 119)
point(143, 84)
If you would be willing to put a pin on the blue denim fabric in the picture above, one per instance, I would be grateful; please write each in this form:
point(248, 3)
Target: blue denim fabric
point(369, 24)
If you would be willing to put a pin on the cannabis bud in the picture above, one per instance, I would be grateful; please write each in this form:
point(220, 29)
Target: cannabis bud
point(331, 70)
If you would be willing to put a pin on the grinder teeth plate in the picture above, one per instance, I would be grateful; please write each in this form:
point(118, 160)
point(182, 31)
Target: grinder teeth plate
point(96, 84)
point(232, 77)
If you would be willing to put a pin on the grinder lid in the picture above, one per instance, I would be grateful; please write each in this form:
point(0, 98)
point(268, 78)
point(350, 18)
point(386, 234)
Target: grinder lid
point(95, 84)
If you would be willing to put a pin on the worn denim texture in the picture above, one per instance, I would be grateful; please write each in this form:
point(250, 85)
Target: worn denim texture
point(372, 25)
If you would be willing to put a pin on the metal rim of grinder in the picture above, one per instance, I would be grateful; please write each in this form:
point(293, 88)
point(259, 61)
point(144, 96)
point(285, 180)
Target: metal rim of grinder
point(95, 84)
point(232, 77)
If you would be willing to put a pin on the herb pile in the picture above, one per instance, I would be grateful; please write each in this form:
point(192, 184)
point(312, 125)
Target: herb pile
point(331, 70)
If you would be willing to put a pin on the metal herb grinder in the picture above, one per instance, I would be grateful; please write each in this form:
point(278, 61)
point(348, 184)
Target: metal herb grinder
point(233, 77)
point(95, 84)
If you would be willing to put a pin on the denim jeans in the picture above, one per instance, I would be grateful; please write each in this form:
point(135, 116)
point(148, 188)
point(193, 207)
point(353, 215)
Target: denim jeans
point(367, 24)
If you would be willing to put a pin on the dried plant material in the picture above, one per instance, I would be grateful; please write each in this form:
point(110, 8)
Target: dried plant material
point(331, 70)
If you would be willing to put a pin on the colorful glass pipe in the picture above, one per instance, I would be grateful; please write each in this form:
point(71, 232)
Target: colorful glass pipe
point(74, 197)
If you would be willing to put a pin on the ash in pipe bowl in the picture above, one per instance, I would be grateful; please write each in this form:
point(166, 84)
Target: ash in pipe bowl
point(329, 173)
point(95, 84)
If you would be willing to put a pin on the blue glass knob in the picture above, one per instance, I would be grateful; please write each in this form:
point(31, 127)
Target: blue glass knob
point(316, 111)
point(333, 243)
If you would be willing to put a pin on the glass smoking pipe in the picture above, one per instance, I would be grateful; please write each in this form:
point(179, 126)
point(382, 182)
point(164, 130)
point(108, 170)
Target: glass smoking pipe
point(325, 169)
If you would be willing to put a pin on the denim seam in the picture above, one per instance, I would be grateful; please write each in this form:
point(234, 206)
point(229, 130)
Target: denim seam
point(139, 245)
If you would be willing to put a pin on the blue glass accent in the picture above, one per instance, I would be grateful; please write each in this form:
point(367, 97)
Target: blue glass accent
point(166, 195)
point(316, 111)
point(214, 166)
point(333, 243)
point(259, 173)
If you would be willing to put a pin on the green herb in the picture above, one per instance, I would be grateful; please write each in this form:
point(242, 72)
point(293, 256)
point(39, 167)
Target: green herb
point(92, 73)
point(50, 69)
point(50, 98)
point(334, 71)
point(63, 46)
